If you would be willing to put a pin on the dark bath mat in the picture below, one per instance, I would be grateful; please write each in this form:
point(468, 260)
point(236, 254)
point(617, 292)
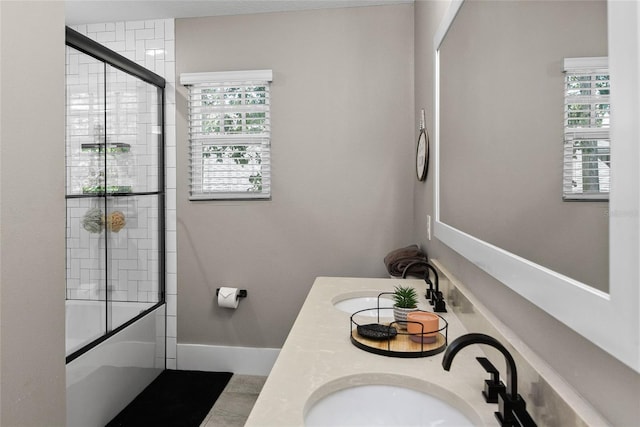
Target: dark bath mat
point(174, 399)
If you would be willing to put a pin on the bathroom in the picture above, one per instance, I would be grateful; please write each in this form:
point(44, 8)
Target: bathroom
point(363, 90)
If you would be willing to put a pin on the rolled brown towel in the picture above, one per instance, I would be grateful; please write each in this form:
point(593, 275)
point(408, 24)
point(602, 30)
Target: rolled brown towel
point(397, 260)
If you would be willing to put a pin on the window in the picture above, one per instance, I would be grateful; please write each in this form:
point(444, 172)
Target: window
point(229, 134)
point(586, 129)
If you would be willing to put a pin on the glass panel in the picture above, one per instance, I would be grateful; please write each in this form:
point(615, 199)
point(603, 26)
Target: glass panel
point(133, 231)
point(133, 133)
point(86, 281)
point(85, 103)
point(133, 140)
point(85, 245)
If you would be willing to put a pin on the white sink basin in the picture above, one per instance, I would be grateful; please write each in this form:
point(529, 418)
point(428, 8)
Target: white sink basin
point(351, 304)
point(383, 405)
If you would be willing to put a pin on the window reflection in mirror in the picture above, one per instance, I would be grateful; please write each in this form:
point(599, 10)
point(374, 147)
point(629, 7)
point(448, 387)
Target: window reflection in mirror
point(501, 132)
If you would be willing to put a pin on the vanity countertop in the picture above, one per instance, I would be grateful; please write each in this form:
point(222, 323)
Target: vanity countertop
point(318, 357)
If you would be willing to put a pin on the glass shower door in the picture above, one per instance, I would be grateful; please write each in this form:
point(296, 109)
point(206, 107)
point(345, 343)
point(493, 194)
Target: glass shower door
point(115, 199)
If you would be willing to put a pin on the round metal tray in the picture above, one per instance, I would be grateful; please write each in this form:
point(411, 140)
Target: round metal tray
point(388, 339)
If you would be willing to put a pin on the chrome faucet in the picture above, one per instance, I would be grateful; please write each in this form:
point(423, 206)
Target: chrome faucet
point(511, 406)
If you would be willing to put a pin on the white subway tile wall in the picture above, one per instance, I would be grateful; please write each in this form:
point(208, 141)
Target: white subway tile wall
point(150, 43)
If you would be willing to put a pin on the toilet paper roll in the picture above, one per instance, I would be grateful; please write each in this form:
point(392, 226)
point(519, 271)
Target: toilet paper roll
point(228, 297)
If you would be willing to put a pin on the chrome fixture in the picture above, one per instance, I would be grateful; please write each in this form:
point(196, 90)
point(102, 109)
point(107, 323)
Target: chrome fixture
point(511, 406)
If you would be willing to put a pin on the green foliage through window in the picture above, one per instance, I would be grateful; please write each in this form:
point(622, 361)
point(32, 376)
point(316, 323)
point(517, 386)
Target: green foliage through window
point(230, 139)
point(587, 150)
point(227, 158)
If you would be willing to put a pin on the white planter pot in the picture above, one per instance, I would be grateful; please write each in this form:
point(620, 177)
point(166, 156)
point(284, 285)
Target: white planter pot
point(400, 314)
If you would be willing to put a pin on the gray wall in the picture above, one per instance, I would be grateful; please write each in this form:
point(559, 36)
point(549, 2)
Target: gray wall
point(32, 214)
point(611, 387)
point(342, 159)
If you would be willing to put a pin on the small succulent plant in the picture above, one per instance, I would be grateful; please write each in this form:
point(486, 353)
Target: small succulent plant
point(405, 297)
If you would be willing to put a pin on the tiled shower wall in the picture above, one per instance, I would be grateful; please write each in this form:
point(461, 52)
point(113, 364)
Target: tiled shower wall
point(151, 44)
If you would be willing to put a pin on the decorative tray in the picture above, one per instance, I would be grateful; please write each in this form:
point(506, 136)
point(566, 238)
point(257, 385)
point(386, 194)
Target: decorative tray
point(370, 332)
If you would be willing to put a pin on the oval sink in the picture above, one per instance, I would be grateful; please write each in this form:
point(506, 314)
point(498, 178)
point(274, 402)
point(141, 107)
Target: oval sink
point(383, 405)
point(351, 304)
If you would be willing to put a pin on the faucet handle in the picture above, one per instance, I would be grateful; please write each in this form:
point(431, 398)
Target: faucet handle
point(429, 289)
point(493, 386)
point(438, 303)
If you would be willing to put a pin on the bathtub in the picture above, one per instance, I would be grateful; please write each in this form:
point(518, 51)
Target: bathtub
point(106, 378)
point(86, 320)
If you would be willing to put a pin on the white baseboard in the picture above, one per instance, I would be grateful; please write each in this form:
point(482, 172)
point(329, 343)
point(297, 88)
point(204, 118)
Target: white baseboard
point(214, 358)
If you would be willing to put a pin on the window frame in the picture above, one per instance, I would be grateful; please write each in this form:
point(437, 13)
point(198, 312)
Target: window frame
point(591, 139)
point(238, 137)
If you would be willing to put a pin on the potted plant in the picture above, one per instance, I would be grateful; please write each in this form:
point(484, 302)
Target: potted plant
point(406, 301)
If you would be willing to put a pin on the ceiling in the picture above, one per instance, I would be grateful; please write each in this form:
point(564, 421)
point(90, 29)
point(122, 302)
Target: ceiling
point(93, 11)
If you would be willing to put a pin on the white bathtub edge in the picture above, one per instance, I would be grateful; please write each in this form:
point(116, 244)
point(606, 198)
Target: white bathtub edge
point(214, 358)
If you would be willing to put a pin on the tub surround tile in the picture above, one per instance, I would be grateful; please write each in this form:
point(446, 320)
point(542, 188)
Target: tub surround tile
point(94, 28)
point(170, 363)
point(134, 25)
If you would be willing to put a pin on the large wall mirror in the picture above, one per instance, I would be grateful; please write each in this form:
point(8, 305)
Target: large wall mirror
point(498, 161)
point(501, 111)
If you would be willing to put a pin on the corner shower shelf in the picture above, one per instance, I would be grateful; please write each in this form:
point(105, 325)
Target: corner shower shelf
point(99, 191)
point(114, 194)
point(387, 339)
point(112, 147)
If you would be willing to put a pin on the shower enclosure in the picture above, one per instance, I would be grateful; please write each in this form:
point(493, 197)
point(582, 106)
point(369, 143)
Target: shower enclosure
point(115, 225)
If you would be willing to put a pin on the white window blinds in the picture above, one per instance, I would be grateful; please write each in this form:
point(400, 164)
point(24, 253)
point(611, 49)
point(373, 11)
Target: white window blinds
point(229, 134)
point(586, 129)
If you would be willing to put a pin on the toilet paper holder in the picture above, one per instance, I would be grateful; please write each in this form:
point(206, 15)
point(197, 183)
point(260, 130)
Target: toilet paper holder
point(242, 293)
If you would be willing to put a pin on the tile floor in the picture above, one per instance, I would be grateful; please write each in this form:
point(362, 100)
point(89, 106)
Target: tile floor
point(235, 403)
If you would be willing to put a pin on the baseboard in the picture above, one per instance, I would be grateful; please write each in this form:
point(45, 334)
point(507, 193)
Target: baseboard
point(214, 358)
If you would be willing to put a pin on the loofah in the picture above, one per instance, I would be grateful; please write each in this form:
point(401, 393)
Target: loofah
point(116, 221)
point(93, 221)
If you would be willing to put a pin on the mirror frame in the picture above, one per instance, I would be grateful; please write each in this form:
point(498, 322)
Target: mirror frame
point(609, 320)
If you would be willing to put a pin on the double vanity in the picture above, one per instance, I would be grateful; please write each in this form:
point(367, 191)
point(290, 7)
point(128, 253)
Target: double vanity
point(320, 377)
